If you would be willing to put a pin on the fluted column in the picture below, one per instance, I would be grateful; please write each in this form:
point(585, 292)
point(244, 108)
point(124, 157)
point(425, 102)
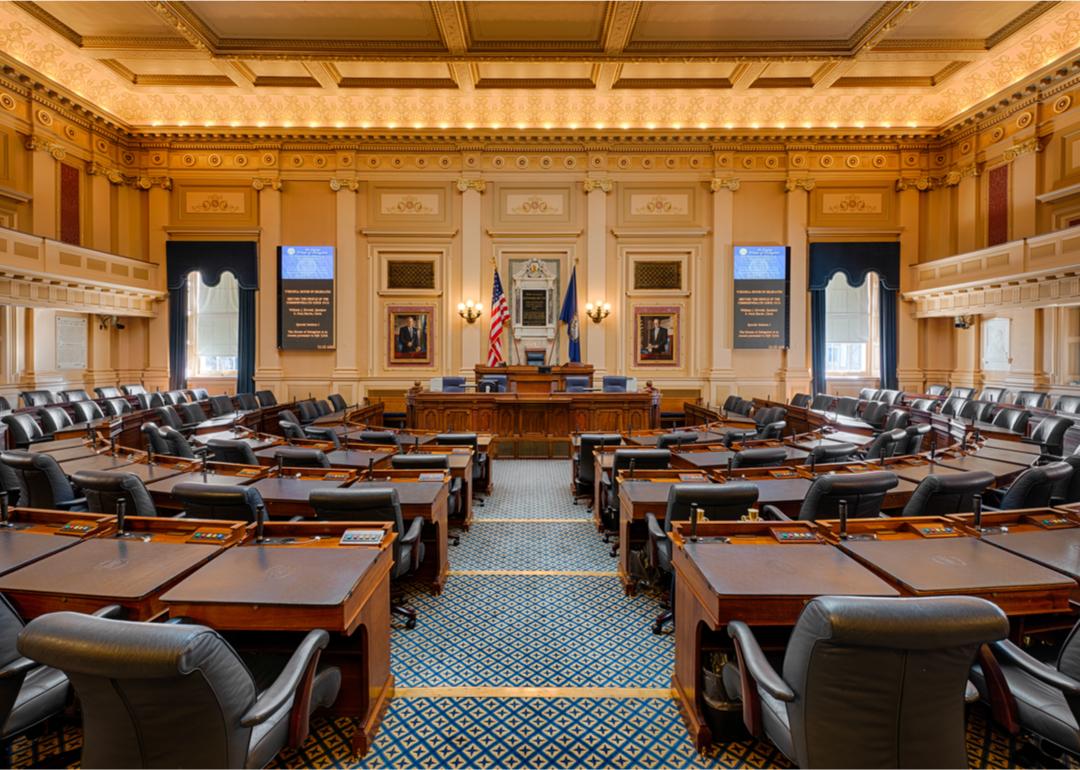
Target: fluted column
point(909, 374)
point(268, 372)
point(157, 354)
point(44, 185)
point(347, 357)
point(797, 366)
point(596, 192)
point(472, 349)
point(722, 289)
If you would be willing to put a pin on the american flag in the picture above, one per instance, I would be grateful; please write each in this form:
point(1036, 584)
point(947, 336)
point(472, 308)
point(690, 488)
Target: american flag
point(500, 316)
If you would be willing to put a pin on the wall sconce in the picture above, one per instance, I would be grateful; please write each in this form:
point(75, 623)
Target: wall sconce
point(964, 321)
point(469, 310)
point(597, 312)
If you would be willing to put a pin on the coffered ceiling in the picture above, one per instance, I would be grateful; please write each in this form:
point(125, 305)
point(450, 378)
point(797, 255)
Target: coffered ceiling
point(537, 64)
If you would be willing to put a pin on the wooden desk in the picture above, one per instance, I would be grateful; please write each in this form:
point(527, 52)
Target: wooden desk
point(716, 457)
point(19, 548)
point(754, 578)
point(921, 565)
point(161, 491)
point(256, 442)
point(708, 436)
point(1033, 451)
point(529, 379)
point(288, 496)
point(45, 521)
point(64, 453)
point(357, 459)
point(638, 497)
point(102, 462)
point(784, 488)
point(461, 467)
point(810, 441)
point(256, 589)
point(102, 571)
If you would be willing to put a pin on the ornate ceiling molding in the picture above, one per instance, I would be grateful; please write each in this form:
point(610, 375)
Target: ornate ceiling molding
point(44, 144)
point(726, 183)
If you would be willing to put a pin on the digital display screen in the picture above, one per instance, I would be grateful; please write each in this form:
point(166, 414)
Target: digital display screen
point(761, 296)
point(306, 297)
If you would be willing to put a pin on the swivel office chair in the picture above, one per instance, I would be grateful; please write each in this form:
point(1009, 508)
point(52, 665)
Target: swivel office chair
point(246, 402)
point(614, 384)
point(862, 675)
point(116, 407)
point(761, 457)
point(874, 414)
point(822, 402)
point(884, 444)
point(953, 405)
point(179, 445)
point(576, 383)
point(1031, 399)
point(1068, 405)
point(718, 502)
point(847, 406)
point(977, 411)
point(300, 457)
point(76, 394)
point(937, 390)
point(41, 482)
point(103, 489)
point(9, 481)
point(178, 695)
point(322, 406)
point(897, 418)
point(338, 402)
point(864, 494)
point(220, 406)
point(585, 463)
point(913, 442)
point(437, 462)
point(309, 413)
point(231, 451)
point(54, 419)
point(801, 400)
point(169, 418)
point(962, 393)
point(1014, 420)
point(24, 429)
point(266, 398)
point(941, 495)
point(480, 459)
point(154, 438)
point(668, 440)
point(924, 404)
point(1049, 434)
point(214, 501)
point(365, 504)
point(37, 398)
point(825, 453)
point(868, 394)
point(133, 389)
point(993, 395)
point(1031, 489)
point(191, 414)
point(108, 392)
point(642, 459)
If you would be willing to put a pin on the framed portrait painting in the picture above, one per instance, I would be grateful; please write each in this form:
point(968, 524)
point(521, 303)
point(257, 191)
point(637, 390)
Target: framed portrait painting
point(411, 335)
point(657, 336)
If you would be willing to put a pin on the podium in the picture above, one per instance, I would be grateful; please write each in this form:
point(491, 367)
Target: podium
point(529, 379)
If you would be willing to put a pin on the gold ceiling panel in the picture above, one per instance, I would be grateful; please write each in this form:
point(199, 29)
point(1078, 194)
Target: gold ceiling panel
point(551, 26)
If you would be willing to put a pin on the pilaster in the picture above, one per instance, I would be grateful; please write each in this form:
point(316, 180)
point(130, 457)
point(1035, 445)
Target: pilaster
point(472, 229)
point(596, 192)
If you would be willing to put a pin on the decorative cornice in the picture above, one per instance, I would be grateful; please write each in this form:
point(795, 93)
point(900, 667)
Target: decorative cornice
point(55, 149)
point(113, 175)
point(146, 182)
point(471, 184)
point(791, 185)
point(922, 184)
point(604, 185)
point(726, 183)
point(1023, 148)
point(262, 182)
point(957, 175)
point(339, 184)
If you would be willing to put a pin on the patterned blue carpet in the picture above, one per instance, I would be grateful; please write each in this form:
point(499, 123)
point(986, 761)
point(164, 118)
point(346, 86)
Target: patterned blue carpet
point(525, 631)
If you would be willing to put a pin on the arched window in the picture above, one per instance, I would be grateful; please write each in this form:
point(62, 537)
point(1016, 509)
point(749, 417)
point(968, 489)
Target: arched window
point(213, 326)
point(852, 328)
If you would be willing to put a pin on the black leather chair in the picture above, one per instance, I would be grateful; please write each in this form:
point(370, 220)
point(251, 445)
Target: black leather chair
point(480, 459)
point(227, 450)
point(897, 418)
point(759, 457)
point(867, 681)
point(133, 390)
point(868, 394)
point(338, 402)
point(29, 692)
point(178, 695)
point(941, 495)
point(847, 406)
point(1031, 489)
point(108, 392)
point(953, 405)
point(642, 459)
point(154, 438)
point(913, 441)
point(874, 414)
point(37, 398)
point(300, 457)
point(380, 437)
point(214, 501)
point(308, 412)
point(937, 390)
point(54, 418)
point(169, 417)
point(822, 402)
point(884, 444)
point(191, 414)
point(76, 394)
point(5, 405)
point(890, 397)
point(1068, 405)
point(292, 431)
point(831, 453)
point(157, 399)
point(247, 402)
point(718, 502)
point(115, 407)
point(1031, 399)
point(801, 400)
point(585, 462)
point(200, 394)
point(863, 492)
point(323, 407)
point(1015, 420)
point(177, 397)
point(1068, 490)
point(266, 398)
point(103, 489)
point(221, 406)
point(924, 404)
point(179, 445)
point(143, 401)
point(730, 402)
point(962, 393)
point(419, 461)
point(993, 395)
point(9, 481)
point(1049, 434)
point(23, 429)
point(41, 482)
point(678, 438)
point(977, 411)
point(373, 504)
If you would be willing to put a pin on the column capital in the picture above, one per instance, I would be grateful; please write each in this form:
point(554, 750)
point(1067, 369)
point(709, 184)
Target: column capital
point(716, 184)
point(1025, 147)
point(112, 174)
point(603, 185)
point(957, 175)
point(922, 184)
point(146, 182)
point(337, 185)
point(55, 149)
point(464, 185)
point(806, 183)
point(264, 182)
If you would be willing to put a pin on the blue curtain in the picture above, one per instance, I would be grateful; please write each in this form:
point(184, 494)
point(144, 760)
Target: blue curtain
point(855, 261)
point(887, 302)
point(817, 332)
point(178, 337)
point(210, 259)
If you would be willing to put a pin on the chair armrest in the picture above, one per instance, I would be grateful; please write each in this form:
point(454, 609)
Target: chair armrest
point(284, 687)
point(772, 513)
point(296, 518)
point(17, 667)
point(109, 611)
point(1007, 652)
point(971, 693)
point(67, 505)
point(756, 664)
point(413, 534)
point(993, 497)
point(656, 532)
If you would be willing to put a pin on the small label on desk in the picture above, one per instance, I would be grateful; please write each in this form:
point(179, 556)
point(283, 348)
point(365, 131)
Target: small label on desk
point(361, 537)
point(1051, 522)
point(784, 474)
point(209, 536)
point(336, 476)
point(794, 536)
point(76, 528)
point(248, 472)
point(936, 530)
point(430, 477)
point(690, 477)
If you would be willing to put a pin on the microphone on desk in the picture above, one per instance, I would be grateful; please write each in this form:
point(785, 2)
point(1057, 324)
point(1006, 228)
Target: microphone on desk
point(933, 445)
point(813, 464)
point(843, 519)
point(204, 469)
point(149, 451)
point(121, 511)
point(416, 444)
point(632, 464)
point(694, 511)
point(112, 445)
point(730, 464)
point(4, 509)
point(371, 469)
point(976, 504)
point(260, 522)
point(90, 435)
point(963, 441)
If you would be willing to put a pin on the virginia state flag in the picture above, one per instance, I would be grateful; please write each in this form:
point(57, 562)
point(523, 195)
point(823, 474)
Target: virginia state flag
point(569, 317)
